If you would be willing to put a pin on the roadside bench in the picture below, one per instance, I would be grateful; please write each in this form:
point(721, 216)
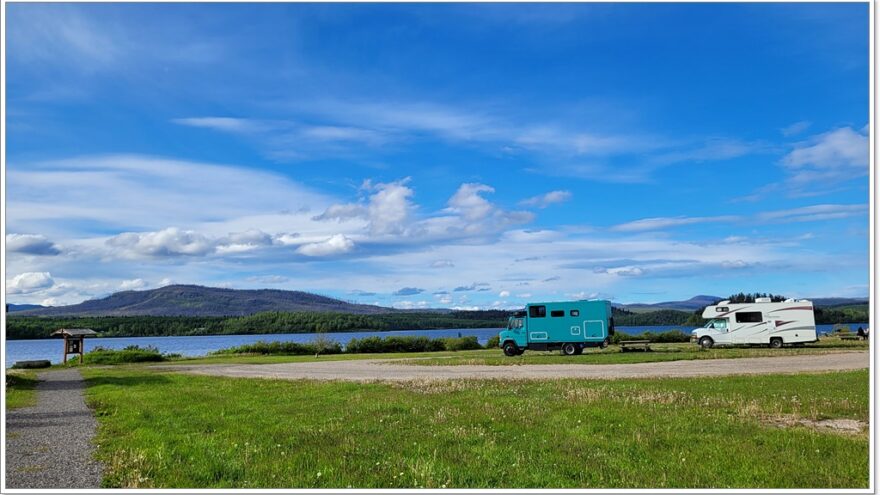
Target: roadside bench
point(631, 345)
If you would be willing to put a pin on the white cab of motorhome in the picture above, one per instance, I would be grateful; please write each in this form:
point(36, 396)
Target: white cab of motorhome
point(761, 322)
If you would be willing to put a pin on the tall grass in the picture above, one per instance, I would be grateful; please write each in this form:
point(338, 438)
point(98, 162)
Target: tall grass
point(169, 430)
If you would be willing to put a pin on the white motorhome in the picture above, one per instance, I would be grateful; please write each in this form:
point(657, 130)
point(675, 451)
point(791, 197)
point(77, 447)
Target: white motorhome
point(760, 322)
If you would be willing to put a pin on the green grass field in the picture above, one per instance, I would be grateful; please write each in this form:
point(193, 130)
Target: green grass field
point(659, 352)
point(20, 388)
point(611, 355)
point(177, 431)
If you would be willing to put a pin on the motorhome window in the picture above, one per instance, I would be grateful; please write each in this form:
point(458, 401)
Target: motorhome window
point(516, 323)
point(574, 312)
point(557, 313)
point(721, 309)
point(537, 311)
point(750, 317)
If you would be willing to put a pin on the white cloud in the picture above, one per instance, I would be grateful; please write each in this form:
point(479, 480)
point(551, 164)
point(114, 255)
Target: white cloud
point(134, 193)
point(410, 304)
point(545, 200)
point(468, 202)
point(167, 242)
point(814, 213)
point(227, 124)
point(31, 244)
point(334, 245)
point(504, 293)
point(796, 128)
point(342, 212)
point(137, 283)
point(659, 223)
point(837, 155)
point(269, 279)
point(239, 242)
point(389, 207)
point(408, 291)
point(29, 282)
point(443, 298)
point(442, 264)
point(165, 282)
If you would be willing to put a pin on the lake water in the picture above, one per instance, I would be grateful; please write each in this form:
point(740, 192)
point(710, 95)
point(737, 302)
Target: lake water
point(22, 350)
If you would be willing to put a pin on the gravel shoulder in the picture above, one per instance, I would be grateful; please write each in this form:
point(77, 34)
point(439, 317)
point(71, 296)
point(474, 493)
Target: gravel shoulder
point(49, 445)
point(373, 370)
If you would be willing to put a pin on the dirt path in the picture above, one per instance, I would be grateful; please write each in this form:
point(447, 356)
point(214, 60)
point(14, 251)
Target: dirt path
point(50, 445)
point(369, 370)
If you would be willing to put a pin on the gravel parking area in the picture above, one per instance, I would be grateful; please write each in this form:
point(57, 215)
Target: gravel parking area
point(50, 445)
point(371, 370)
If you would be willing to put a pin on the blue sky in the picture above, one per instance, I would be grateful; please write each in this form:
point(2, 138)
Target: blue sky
point(457, 155)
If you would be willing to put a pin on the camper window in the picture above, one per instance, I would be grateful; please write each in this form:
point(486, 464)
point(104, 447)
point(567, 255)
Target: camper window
point(557, 313)
point(537, 311)
point(574, 312)
point(750, 317)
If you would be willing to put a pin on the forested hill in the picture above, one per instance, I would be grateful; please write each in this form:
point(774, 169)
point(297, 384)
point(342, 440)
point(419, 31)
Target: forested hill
point(18, 327)
point(195, 300)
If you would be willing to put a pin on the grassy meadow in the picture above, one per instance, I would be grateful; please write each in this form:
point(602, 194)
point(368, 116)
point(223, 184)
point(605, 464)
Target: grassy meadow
point(659, 352)
point(174, 431)
point(21, 388)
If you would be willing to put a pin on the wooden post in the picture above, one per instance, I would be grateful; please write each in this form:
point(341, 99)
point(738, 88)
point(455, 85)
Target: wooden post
point(65, 349)
point(82, 343)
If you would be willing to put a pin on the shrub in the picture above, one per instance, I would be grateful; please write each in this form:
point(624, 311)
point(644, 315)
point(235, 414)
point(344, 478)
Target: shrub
point(394, 344)
point(494, 341)
point(661, 338)
point(130, 354)
point(462, 343)
point(288, 348)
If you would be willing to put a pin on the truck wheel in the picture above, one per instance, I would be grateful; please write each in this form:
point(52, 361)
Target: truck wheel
point(569, 349)
point(605, 342)
point(510, 349)
point(706, 342)
point(776, 343)
point(579, 351)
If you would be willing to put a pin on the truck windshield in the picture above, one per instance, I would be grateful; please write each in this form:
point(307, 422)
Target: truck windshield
point(514, 323)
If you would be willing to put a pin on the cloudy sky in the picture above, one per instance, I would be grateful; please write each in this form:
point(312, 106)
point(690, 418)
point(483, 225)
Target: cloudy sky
point(437, 155)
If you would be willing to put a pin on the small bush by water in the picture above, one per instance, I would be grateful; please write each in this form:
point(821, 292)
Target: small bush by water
point(661, 338)
point(284, 348)
point(462, 343)
point(130, 354)
point(394, 344)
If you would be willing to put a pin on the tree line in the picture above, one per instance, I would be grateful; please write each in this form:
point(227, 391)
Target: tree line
point(32, 327)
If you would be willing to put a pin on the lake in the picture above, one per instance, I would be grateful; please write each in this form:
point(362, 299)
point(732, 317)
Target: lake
point(22, 350)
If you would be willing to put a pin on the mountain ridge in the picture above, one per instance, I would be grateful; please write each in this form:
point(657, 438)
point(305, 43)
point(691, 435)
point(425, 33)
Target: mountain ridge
point(197, 300)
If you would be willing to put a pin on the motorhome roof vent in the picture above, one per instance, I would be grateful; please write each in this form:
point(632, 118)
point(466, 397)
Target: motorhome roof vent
point(790, 300)
point(762, 300)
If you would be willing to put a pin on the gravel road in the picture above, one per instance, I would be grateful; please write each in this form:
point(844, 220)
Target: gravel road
point(370, 370)
point(50, 445)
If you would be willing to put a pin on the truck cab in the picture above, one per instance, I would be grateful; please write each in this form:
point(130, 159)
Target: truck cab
point(569, 326)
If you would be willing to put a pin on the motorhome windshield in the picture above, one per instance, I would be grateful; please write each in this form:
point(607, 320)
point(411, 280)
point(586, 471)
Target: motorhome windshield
point(720, 324)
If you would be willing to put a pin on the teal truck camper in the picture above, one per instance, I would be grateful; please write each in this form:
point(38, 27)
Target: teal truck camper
point(568, 326)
